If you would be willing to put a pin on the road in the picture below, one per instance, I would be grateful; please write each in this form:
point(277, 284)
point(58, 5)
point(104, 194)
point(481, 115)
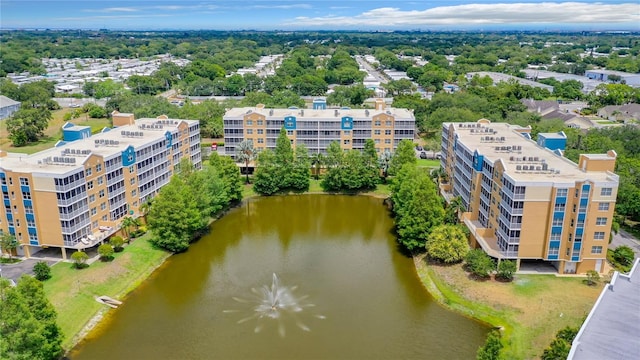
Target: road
point(69, 102)
point(373, 72)
point(624, 238)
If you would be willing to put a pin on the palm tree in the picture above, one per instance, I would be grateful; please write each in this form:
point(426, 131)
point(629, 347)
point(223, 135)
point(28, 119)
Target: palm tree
point(317, 160)
point(456, 206)
point(384, 161)
point(127, 223)
point(145, 207)
point(246, 153)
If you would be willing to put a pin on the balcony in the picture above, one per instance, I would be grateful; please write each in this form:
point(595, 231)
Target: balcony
point(510, 224)
point(507, 238)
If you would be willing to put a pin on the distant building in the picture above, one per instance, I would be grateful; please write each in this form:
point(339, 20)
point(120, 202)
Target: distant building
point(604, 75)
point(500, 77)
point(620, 112)
point(75, 195)
point(318, 127)
point(8, 107)
point(526, 202)
point(612, 328)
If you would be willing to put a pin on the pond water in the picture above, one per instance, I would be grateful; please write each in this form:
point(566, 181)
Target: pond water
point(341, 291)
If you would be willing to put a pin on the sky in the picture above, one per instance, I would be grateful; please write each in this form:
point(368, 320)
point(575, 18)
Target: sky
point(320, 15)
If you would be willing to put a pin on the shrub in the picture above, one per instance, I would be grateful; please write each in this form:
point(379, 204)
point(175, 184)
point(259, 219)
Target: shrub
point(506, 269)
point(447, 243)
point(117, 242)
point(592, 277)
point(42, 270)
point(560, 346)
point(80, 259)
point(491, 348)
point(106, 252)
point(623, 255)
point(479, 263)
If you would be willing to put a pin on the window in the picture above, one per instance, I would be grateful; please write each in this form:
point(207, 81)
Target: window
point(260, 122)
point(24, 181)
point(26, 196)
point(101, 193)
point(290, 132)
point(601, 221)
point(387, 141)
point(103, 206)
point(557, 222)
point(90, 185)
point(98, 167)
point(596, 249)
point(598, 235)
point(387, 132)
point(562, 192)
point(94, 211)
point(555, 237)
point(135, 204)
point(347, 141)
point(249, 122)
point(134, 192)
point(260, 141)
point(92, 198)
point(603, 206)
point(249, 131)
point(131, 169)
point(260, 131)
point(132, 181)
point(376, 132)
point(377, 141)
point(559, 207)
point(13, 195)
point(605, 192)
point(387, 123)
point(31, 223)
point(88, 172)
point(347, 132)
point(100, 180)
point(10, 181)
point(554, 251)
point(94, 225)
point(377, 123)
point(104, 217)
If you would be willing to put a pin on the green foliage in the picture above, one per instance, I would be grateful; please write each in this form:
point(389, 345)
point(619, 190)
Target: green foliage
point(506, 269)
point(354, 95)
point(42, 270)
point(8, 243)
point(246, 153)
point(592, 277)
point(404, 154)
point(28, 322)
point(561, 345)
point(229, 172)
point(103, 89)
point(117, 242)
point(491, 348)
point(447, 244)
point(299, 179)
point(265, 181)
point(479, 263)
point(106, 252)
point(624, 255)
point(282, 169)
point(80, 259)
point(350, 170)
point(27, 125)
point(416, 206)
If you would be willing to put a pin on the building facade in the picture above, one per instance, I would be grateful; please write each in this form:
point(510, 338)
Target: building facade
point(75, 195)
point(527, 202)
point(8, 107)
point(318, 127)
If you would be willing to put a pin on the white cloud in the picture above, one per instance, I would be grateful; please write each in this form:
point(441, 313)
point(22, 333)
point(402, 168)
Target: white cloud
point(480, 14)
point(112, 9)
point(283, 7)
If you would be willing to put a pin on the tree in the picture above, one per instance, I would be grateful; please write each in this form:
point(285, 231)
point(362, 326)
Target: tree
point(384, 162)
point(117, 242)
point(42, 270)
point(479, 263)
point(106, 252)
point(624, 255)
point(80, 259)
point(299, 177)
point(176, 216)
point(317, 160)
point(27, 125)
point(592, 277)
point(8, 243)
point(561, 345)
point(228, 171)
point(506, 269)
point(416, 206)
point(265, 181)
point(491, 348)
point(28, 328)
point(404, 154)
point(126, 224)
point(284, 159)
point(453, 210)
point(245, 152)
point(447, 244)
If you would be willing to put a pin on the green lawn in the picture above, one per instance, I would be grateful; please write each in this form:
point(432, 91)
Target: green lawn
point(73, 291)
point(428, 163)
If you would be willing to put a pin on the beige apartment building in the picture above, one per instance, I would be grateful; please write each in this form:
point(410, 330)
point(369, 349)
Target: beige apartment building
point(318, 127)
point(74, 195)
point(524, 200)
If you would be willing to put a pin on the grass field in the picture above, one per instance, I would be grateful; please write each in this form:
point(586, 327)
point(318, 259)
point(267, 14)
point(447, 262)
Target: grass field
point(428, 163)
point(72, 292)
point(52, 134)
point(531, 309)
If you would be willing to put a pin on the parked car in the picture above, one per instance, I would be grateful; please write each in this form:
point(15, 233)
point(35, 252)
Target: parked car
point(423, 155)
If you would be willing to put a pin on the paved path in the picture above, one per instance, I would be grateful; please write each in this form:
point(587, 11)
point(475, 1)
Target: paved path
point(14, 271)
point(624, 238)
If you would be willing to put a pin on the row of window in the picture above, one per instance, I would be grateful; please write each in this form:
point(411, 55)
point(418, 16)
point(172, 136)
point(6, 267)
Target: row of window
point(606, 191)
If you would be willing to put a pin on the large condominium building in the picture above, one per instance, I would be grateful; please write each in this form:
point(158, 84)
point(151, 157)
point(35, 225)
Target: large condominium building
point(318, 127)
point(75, 195)
point(524, 200)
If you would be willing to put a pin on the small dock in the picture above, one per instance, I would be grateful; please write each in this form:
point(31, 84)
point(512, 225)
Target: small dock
point(108, 301)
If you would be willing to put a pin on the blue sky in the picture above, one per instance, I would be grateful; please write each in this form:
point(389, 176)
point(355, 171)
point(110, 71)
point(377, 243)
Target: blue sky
point(320, 14)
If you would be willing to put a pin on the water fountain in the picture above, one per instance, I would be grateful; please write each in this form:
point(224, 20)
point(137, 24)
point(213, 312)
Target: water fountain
point(275, 302)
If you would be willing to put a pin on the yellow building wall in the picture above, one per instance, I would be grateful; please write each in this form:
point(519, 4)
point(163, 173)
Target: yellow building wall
point(48, 218)
point(535, 229)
